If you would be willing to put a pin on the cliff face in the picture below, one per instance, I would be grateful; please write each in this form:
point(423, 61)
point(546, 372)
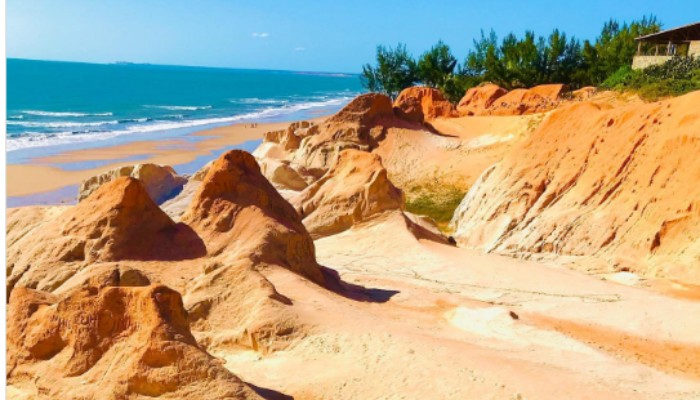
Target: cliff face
point(355, 189)
point(617, 184)
point(493, 100)
point(422, 104)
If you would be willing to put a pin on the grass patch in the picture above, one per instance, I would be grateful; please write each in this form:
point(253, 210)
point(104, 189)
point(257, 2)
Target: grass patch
point(439, 206)
point(674, 78)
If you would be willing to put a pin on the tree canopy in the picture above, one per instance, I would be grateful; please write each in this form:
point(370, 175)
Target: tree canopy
point(513, 62)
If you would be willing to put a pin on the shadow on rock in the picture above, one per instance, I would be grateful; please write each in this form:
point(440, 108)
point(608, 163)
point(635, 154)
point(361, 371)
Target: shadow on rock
point(355, 292)
point(178, 242)
point(269, 394)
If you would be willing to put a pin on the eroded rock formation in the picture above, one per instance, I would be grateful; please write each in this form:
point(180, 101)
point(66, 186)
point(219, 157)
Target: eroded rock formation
point(307, 151)
point(237, 229)
point(490, 99)
point(117, 342)
point(119, 221)
point(527, 101)
point(355, 189)
point(161, 182)
point(478, 99)
point(420, 104)
point(232, 205)
point(592, 180)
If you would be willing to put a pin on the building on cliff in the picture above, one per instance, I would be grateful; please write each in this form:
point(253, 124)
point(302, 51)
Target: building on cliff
point(657, 48)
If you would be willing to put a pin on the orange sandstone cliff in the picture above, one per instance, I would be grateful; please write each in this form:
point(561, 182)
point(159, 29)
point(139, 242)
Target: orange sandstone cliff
point(612, 184)
point(422, 104)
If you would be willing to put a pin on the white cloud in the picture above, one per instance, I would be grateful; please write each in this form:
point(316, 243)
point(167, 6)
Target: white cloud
point(260, 35)
point(299, 48)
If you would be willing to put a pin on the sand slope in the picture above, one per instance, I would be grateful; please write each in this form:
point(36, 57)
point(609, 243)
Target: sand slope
point(613, 183)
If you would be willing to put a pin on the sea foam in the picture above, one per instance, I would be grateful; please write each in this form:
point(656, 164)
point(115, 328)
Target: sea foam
point(64, 114)
point(38, 139)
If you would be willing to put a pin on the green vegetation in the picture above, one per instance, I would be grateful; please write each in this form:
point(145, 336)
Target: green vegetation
point(674, 78)
point(395, 71)
point(438, 206)
point(515, 62)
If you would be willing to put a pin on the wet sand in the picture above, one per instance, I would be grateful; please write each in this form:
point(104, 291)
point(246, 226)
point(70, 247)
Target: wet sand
point(50, 173)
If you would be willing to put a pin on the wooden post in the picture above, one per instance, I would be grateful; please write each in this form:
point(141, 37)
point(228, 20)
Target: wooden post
point(657, 50)
point(668, 50)
point(639, 47)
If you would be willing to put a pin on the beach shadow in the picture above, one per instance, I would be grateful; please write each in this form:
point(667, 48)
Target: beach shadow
point(269, 394)
point(355, 292)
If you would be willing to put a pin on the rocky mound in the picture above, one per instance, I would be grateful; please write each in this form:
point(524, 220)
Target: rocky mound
point(597, 181)
point(418, 104)
point(235, 202)
point(161, 182)
point(478, 99)
point(119, 221)
point(584, 93)
point(355, 189)
point(363, 110)
point(527, 101)
point(117, 342)
point(236, 230)
point(309, 150)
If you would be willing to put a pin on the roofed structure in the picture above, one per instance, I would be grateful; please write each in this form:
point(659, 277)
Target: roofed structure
point(659, 47)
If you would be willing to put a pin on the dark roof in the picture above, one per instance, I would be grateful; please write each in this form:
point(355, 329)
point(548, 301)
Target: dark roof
point(684, 33)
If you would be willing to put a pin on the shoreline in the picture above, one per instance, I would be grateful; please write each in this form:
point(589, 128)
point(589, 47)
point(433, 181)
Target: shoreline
point(46, 174)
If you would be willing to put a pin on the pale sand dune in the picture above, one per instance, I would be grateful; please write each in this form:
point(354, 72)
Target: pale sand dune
point(418, 160)
point(29, 179)
point(436, 325)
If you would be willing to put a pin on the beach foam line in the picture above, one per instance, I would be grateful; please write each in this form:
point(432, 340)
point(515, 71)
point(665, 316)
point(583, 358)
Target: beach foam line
point(189, 108)
point(35, 124)
point(63, 138)
point(255, 100)
point(64, 114)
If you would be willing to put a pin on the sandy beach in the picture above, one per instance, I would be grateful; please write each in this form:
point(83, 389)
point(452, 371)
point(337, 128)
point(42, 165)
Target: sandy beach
point(38, 177)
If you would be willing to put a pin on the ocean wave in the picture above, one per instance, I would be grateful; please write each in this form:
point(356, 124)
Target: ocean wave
point(63, 138)
point(129, 120)
point(188, 108)
point(35, 124)
point(255, 100)
point(65, 114)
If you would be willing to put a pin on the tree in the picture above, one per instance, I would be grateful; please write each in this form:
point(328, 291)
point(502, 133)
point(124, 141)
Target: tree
point(512, 63)
point(395, 71)
point(436, 65)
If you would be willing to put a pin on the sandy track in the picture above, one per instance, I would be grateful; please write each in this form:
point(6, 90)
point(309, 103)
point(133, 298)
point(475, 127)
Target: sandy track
point(439, 322)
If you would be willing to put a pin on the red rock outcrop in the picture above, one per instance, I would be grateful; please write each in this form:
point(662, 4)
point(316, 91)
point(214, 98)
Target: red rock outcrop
point(237, 229)
point(419, 104)
point(527, 101)
point(592, 180)
point(478, 99)
point(584, 93)
point(233, 204)
point(355, 189)
point(111, 343)
point(361, 125)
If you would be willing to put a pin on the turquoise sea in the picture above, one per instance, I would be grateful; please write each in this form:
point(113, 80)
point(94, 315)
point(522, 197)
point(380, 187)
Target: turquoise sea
point(58, 106)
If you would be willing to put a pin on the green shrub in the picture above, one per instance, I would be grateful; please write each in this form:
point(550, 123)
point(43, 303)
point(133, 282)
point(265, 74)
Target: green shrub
point(439, 207)
point(673, 78)
point(621, 79)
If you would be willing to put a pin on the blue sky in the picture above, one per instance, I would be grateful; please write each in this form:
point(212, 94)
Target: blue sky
point(294, 35)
